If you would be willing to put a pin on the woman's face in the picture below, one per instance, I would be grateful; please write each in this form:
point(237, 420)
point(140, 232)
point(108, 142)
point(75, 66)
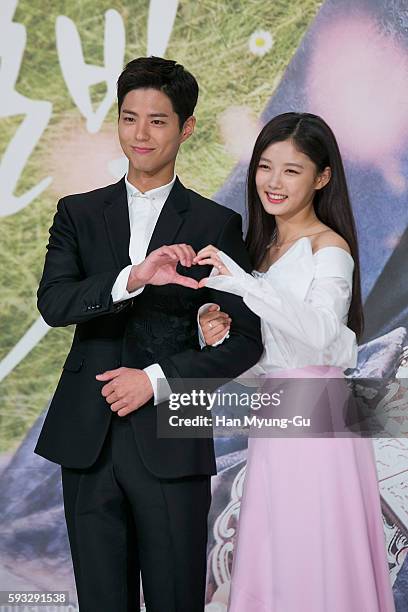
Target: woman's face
point(286, 180)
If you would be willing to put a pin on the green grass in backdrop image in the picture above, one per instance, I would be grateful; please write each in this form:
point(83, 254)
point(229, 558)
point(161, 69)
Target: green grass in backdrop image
point(237, 71)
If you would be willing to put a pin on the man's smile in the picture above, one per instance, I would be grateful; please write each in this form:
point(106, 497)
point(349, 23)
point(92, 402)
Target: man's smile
point(142, 150)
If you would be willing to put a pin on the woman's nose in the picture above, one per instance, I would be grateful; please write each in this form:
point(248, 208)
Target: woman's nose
point(274, 181)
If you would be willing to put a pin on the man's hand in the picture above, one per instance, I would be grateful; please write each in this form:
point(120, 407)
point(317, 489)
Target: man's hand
point(159, 268)
point(126, 390)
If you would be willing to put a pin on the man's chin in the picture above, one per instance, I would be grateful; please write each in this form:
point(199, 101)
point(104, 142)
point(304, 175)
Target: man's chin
point(144, 170)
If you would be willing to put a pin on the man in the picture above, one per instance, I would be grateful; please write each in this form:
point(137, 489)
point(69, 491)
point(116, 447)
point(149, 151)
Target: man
point(119, 266)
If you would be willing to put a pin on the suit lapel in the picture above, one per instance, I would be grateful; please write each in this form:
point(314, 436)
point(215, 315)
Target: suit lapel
point(116, 215)
point(171, 217)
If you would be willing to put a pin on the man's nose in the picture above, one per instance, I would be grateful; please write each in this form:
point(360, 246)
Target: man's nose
point(141, 130)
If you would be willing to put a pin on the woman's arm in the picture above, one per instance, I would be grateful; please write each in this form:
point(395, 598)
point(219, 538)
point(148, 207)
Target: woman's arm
point(315, 321)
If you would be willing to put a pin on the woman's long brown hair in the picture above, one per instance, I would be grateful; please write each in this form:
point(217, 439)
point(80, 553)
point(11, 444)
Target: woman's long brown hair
point(313, 137)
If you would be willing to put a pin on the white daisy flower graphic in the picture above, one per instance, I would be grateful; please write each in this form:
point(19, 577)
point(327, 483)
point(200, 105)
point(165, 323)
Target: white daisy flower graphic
point(260, 42)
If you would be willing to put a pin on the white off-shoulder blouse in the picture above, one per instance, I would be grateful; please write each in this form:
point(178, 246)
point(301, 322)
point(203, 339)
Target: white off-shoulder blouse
point(303, 301)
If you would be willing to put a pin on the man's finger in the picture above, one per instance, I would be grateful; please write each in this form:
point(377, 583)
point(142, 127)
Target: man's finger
point(112, 398)
point(127, 409)
point(184, 255)
point(186, 281)
point(107, 389)
point(108, 375)
point(189, 254)
point(167, 251)
point(202, 283)
point(118, 405)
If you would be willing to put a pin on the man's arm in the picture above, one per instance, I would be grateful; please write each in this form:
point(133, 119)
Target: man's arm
point(244, 347)
point(127, 389)
point(65, 295)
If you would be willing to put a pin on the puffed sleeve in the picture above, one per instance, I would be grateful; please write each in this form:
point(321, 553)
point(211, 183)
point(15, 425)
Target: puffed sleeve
point(316, 320)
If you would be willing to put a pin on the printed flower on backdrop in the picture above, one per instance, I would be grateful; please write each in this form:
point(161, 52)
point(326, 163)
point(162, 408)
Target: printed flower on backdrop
point(80, 161)
point(239, 129)
point(357, 81)
point(260, 42)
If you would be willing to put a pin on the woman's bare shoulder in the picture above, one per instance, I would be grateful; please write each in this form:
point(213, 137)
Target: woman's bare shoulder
point(328, 238)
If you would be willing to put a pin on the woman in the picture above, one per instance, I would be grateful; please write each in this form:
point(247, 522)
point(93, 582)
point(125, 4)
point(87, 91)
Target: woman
point(310, 535)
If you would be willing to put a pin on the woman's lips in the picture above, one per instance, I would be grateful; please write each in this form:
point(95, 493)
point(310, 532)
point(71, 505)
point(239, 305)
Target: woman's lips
point(142, 150)
point(275, 198)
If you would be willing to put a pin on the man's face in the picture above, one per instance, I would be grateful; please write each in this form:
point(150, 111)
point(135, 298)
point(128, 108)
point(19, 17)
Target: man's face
point(149, 133)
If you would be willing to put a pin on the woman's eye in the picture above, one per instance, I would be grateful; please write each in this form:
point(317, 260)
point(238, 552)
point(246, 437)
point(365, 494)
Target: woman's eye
point(292, 171)
point(263, 166)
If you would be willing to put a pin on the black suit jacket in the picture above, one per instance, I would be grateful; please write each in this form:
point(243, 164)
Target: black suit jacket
point(88, 247)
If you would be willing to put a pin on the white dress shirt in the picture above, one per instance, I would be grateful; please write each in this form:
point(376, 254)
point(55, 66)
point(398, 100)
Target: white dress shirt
point(303, 302)
point(144, 211)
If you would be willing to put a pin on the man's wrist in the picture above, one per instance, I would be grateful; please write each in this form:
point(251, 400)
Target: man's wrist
point(134, 281)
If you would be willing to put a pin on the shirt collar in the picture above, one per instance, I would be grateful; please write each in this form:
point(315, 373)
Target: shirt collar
point(158, 193)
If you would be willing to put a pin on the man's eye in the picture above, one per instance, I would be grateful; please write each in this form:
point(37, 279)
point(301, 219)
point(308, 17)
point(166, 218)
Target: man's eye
point(292, 171)
point(157, 122)
point(128, 119)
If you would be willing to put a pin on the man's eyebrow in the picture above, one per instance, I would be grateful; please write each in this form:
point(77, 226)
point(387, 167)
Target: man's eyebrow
point(129, 112)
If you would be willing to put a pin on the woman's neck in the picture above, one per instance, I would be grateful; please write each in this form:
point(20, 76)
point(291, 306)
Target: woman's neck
point(286, 229)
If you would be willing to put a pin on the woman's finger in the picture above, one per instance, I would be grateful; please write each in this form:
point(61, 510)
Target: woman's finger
point(219, 329)
point(207, 249)
point(215, 337)
point(205, 253)
point(213, 316)
point(212, 260)
point(212, 323)
point(213, 327)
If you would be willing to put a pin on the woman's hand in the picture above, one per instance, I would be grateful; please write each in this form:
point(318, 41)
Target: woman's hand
point(208, 257)
point(214, 324)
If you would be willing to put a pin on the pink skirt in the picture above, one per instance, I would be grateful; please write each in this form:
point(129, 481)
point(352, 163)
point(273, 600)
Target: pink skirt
point(310, 535)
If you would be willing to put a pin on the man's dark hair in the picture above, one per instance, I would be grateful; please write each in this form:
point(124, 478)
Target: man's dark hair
point(166, 76)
